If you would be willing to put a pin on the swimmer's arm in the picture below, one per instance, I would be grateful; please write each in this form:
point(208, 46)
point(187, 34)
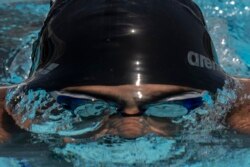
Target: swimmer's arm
point(2, 98)
point(239, 118)
point(4, 135)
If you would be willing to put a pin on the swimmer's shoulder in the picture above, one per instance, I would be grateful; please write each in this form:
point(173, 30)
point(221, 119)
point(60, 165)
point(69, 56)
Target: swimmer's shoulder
point(3, 92)
point(239, 117)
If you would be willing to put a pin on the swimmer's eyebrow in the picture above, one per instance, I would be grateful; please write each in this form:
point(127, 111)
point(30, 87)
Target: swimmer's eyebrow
point(119, 100)
point(98, 96)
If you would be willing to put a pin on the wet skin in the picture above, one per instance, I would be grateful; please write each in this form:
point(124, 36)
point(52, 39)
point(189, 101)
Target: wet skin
point(4, 135)
point(131, 123)
point(239, 118)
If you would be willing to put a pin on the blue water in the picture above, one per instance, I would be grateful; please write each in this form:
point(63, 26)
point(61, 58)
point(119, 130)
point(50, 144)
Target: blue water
point(229, 23)
point(205, 140)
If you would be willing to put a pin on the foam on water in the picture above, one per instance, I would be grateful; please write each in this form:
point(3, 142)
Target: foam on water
point(11, 162)
point(115, 151)
point(20, 23)
point(46, 115)
point(50, 119)
point(228, 23)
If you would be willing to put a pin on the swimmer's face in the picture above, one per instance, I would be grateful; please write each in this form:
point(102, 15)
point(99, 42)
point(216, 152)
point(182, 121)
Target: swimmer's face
point(132, 123)
point(131, 96)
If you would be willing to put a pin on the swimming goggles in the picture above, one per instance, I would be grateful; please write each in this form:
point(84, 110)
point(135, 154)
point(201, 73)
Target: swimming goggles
point(87, 106)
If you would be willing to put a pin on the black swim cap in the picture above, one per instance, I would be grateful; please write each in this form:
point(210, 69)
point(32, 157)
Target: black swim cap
point(116, 42)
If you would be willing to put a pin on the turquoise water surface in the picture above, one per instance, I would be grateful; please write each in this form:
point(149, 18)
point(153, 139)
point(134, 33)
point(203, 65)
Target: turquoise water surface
point(205, 140)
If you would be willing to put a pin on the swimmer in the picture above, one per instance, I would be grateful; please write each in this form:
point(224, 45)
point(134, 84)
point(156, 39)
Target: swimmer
point(143, 56)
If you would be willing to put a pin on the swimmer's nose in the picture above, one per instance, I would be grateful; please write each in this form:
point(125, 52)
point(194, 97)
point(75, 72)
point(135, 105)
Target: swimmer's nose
point(131, 111)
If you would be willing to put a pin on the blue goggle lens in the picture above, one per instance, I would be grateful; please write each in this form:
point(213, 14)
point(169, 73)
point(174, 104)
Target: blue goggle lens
point(173, 108)
point(88, 107)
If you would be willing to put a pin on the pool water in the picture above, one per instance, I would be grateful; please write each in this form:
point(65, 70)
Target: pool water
point(204, 141)
point(229, 23)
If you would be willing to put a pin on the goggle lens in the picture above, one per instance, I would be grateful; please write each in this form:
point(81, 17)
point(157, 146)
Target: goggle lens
point(86, 107)
point(96, 107)
point(173, 108)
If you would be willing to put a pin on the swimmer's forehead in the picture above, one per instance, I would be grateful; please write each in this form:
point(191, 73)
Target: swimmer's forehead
point(147, 92)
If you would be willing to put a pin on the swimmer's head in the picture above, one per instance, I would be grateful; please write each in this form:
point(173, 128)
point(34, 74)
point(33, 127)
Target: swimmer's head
point(106, 42)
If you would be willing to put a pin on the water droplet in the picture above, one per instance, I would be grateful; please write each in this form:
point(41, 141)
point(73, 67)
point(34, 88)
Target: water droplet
point(232, 2)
